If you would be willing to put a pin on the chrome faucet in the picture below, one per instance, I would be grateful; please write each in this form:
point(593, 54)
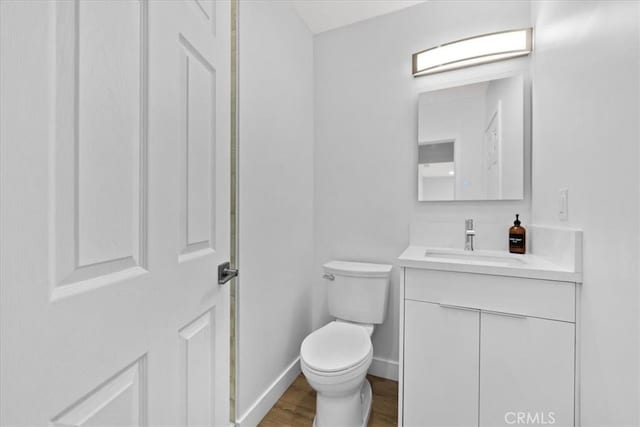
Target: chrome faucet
point(469, 234)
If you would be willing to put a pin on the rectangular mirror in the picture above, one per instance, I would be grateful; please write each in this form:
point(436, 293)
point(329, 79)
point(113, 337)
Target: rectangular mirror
point(471, 141)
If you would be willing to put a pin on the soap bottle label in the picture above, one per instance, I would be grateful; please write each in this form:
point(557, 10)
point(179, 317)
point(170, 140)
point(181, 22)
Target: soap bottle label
point(516, 241)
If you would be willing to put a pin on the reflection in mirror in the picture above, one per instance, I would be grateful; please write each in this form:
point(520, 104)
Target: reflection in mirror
point(471, 142)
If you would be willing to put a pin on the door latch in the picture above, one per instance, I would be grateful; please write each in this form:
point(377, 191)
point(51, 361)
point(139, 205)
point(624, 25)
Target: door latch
point(226, 273)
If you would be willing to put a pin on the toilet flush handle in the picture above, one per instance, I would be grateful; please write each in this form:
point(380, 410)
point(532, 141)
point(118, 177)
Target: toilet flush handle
point(328, 276)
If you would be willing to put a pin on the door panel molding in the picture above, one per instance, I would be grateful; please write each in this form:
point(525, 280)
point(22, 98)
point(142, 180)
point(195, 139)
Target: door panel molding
point(99, 147)
point(197, 230)
point(198, 349)
point(121, 400)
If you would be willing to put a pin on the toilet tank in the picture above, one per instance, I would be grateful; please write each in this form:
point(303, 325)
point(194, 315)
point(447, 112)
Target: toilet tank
point(358, 291)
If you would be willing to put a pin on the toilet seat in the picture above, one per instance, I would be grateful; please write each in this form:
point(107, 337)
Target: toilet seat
point(336, 349)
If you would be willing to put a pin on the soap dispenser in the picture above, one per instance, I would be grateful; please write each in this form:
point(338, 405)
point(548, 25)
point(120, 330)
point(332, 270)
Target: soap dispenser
point(517, 237)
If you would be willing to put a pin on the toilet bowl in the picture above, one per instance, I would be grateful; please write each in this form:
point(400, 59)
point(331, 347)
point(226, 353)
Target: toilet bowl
point(335, 360)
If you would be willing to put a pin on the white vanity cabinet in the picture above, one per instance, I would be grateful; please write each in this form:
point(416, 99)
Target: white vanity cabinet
point(486, 350)
point(441, 365)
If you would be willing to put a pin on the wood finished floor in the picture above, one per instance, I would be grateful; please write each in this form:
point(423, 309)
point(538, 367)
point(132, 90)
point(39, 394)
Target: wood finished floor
point(297, 406)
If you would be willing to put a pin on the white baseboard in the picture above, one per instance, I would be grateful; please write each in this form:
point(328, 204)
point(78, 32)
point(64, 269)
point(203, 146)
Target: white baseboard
point(384, 368)
point(265, 402)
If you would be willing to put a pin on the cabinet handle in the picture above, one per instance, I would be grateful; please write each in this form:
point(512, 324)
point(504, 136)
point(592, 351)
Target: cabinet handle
point(495, 313)
point(502, 313)
point(459, 307)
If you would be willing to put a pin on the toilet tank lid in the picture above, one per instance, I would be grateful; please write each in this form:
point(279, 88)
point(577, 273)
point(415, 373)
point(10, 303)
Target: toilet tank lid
point(359, 269)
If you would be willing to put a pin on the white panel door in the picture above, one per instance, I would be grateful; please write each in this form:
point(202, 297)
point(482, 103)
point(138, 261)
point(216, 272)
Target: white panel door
point(114, 212)
point(441, 365)
point(527, 371)
point(492, 151)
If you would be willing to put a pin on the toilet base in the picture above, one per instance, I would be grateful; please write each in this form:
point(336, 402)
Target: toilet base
point(366, 396)
point(367, 399)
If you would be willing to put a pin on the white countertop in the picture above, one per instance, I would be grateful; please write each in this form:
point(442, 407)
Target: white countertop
point(499, 263)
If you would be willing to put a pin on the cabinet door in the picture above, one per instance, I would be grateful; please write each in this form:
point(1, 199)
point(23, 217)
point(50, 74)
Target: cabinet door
point(527, 371)
point(441, 366)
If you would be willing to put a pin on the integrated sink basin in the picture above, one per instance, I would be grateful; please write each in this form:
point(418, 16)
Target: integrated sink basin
point(475, 257)
point(552, 254)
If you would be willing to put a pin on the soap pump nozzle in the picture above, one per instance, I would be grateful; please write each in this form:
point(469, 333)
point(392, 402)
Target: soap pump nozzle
point(517, 221)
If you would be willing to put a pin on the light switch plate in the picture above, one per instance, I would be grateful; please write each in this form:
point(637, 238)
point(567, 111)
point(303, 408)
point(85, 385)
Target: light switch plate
point(563, 204)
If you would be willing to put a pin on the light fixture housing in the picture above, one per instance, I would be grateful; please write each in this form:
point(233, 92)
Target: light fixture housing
point(473, 51)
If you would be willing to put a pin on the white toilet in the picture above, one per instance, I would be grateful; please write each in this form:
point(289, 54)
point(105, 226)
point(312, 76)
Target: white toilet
point(336, 357)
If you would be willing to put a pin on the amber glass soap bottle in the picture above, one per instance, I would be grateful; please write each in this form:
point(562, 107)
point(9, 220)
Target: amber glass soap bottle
point(517, 237)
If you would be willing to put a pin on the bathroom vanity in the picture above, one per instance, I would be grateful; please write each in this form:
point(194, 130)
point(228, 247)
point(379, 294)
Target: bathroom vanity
point(489, 338)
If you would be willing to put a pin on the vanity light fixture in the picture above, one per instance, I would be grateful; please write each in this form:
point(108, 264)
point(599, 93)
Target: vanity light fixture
point(473, 51)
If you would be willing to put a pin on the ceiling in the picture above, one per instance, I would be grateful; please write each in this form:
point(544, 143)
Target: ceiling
point(324, 15)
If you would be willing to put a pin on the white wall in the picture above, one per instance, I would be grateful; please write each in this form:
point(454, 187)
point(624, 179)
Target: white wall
point(366, 139)
point(586, 94)
point(275, 193)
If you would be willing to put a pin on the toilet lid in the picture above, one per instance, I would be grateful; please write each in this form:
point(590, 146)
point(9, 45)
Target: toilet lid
point(335, 347)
